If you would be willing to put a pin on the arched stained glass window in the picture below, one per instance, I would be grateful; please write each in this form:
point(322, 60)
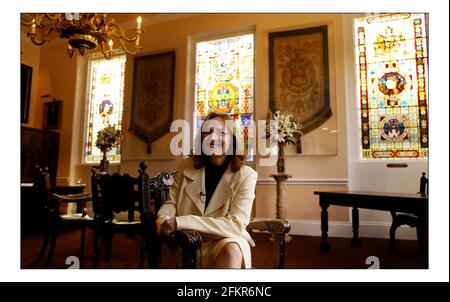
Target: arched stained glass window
point(224, 80)
point(105, 104)
point(392, 58)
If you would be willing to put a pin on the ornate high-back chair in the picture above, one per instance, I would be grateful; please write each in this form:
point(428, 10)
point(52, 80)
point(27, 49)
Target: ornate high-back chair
point(190, 241)
point(118, 207)
point(154, 192)
point(54, 220)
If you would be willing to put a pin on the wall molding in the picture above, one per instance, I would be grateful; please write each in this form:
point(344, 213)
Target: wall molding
point(306, 181)
point(343, 229)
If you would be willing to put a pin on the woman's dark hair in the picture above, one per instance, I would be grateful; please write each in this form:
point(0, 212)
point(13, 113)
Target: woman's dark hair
point(236, 161)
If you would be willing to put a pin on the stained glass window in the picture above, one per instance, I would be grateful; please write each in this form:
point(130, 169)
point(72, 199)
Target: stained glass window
point(392, 58)
point(224, 81)
point(105, 99)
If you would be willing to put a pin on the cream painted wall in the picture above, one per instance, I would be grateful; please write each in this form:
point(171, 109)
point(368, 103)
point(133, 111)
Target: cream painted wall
point(65, 77)
point(58, 74)
point(53, 74)
point(301, 203)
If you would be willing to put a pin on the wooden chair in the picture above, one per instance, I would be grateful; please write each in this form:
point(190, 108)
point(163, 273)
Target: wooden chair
point(190, 241)
point(411, 220)
point(118, 207)
point(154, 192)
point(54, 221)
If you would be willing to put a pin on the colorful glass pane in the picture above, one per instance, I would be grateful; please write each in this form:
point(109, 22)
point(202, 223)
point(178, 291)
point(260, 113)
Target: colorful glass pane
point(105, 99)
point(391, 57)
point(224, 80)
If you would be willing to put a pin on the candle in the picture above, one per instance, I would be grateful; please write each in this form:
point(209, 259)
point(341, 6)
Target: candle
point(110, 43)
point(33, 28)
point(139, 21)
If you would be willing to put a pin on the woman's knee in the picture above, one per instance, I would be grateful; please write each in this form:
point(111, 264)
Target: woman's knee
point(232, 250)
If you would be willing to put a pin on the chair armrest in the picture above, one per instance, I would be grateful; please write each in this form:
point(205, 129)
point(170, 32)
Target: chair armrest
point(190, 242)
point(188, 239)
point(276, 226)
point(81, 197)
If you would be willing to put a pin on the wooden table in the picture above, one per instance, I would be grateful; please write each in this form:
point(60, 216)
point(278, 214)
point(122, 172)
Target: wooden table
point(416, 204)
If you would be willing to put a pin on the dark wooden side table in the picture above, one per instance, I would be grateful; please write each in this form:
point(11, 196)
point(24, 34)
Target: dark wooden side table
point(416, 204)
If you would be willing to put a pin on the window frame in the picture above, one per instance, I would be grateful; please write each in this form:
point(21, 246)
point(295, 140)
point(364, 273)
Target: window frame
point(356, 103)
point(192, 49)
point(87, 80)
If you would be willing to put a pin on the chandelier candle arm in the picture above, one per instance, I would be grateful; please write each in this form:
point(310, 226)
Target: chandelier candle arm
point(108, 54)
point(45, 37)
point(53, 17)
point(121, 33)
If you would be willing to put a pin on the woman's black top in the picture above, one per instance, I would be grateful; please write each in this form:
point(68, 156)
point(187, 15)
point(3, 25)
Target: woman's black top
point(213, 174)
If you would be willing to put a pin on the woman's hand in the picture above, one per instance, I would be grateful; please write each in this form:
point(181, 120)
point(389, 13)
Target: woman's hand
point(168, 226)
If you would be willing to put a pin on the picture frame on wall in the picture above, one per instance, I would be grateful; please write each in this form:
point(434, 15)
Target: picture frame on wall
point(153, 96)
point(52, 115)
point(299, 76)
point(26, 74)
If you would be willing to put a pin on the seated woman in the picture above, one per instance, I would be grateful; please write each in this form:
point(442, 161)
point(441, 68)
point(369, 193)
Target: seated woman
point(213, 194)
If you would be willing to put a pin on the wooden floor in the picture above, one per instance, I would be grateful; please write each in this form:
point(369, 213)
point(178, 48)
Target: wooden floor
point(301, 253)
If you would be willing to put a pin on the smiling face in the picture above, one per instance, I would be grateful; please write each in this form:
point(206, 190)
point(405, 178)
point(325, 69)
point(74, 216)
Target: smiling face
point(216, 140)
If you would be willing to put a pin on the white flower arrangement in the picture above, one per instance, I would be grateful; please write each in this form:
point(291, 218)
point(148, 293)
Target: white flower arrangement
point(107, 138)
point(282, 129)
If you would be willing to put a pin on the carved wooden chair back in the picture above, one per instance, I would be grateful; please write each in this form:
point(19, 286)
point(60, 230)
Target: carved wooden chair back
point(117, 204)
point(154, 192)
point(42, 188)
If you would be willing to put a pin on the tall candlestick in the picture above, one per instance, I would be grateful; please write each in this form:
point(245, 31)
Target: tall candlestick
point(110, 43)
point(139, 21)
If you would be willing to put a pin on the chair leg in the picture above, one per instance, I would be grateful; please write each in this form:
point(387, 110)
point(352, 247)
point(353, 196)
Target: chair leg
point(153, 246)
point(45, 243)
point(83, 240)
point(154, 254)
point(279, 250)
point(392, 230)
point(96, 237)
point(142, 254)
point(53, 238)
point(108, 243)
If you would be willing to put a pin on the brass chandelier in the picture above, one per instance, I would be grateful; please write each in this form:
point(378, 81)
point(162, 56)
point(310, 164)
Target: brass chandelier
point(84, 32)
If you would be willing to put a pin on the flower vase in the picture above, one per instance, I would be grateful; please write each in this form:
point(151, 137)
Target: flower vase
point(280, 159)
point(104, 162)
